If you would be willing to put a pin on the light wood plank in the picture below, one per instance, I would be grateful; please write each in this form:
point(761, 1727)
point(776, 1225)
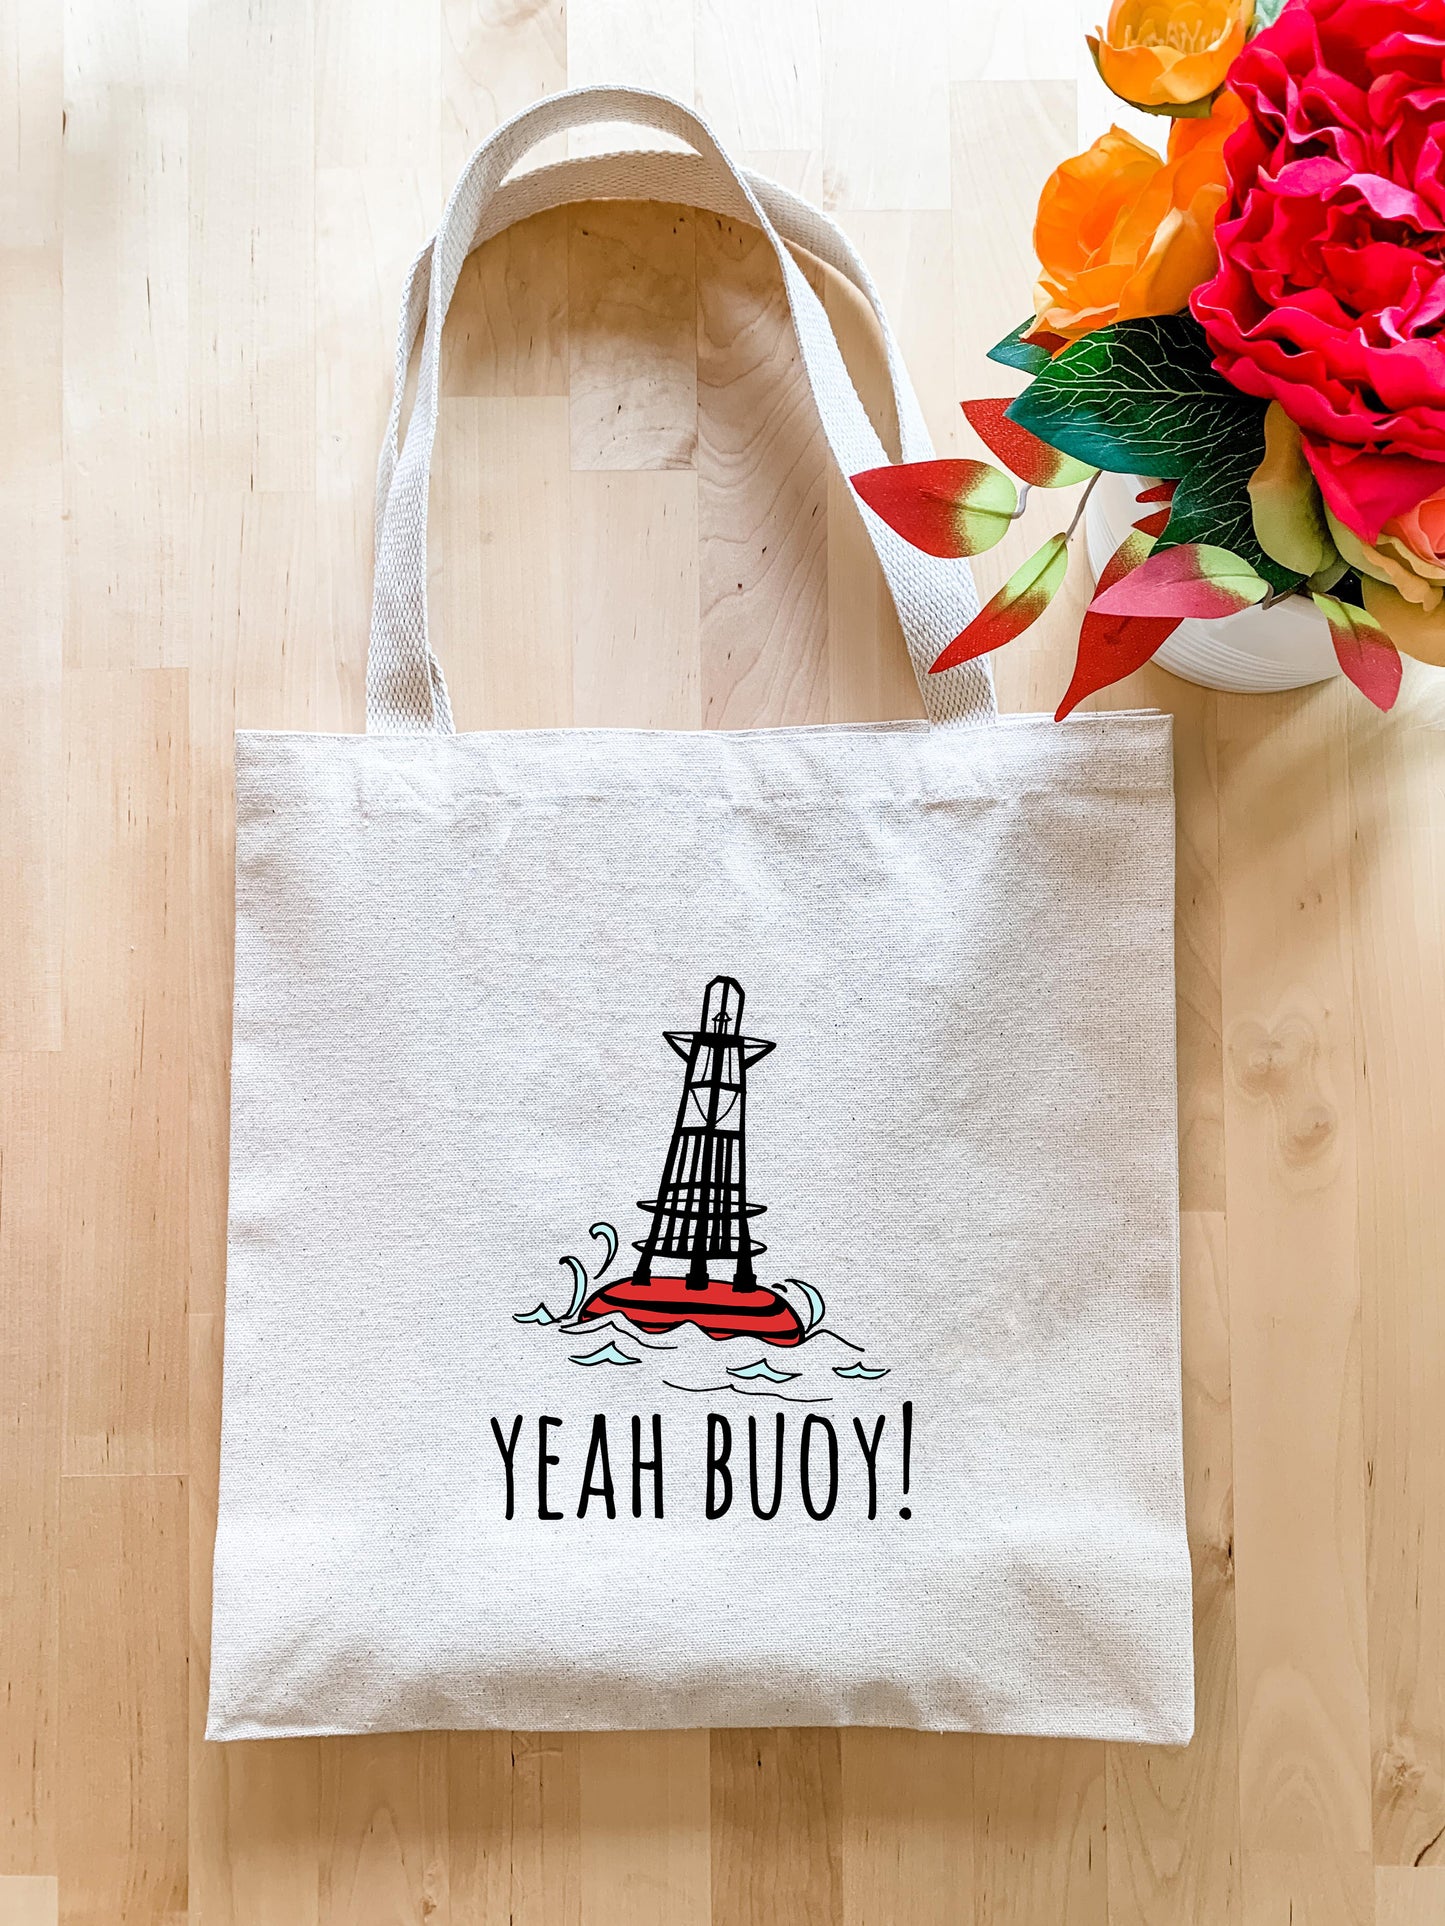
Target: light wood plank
point(1405, 1896)
point(1399, 940)
point(125, 254)
point(1308, 1888)
point(635, 651)
point(632, 283)
point(1290, 1153)
point(1000, 43)
point(252, 174)
point(32, 95)
point(643, 1814)
point(377, 76)
point(885, 106)
point(122, 1112)
point(31, 867)
point(906, 1835)
point(30, 1442)
point(507, 333)
point(503, 596)
point(479, 1824)
point(32, 87)
point(31, 522)
point(546, 1825)
point(1040, 1832)
point(384, 1815)
point(29, 1899)
point(121, 1793)
point(910, 259)
point(1174, 1812)
point(777, 1822)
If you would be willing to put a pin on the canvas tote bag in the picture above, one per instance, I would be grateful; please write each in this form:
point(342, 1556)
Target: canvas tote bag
point(703, 1236)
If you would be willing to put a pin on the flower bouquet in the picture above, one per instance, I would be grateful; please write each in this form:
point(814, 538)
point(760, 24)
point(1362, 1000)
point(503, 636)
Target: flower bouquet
point(1254, 323)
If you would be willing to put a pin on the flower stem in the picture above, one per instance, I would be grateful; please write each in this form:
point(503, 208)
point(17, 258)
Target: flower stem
point(1083, 503)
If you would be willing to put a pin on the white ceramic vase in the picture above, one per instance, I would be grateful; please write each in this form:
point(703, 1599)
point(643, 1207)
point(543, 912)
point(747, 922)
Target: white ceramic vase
point(1283, 647)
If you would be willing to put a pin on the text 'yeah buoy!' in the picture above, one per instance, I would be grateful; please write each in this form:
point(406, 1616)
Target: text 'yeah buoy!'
point(763, 1467)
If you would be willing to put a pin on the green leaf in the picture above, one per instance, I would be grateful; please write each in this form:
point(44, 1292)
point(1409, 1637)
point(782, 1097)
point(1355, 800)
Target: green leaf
point(1014, 352)
point(1142, 398)
point(1324, 579)
point(1266, 12)
point(1284, 498)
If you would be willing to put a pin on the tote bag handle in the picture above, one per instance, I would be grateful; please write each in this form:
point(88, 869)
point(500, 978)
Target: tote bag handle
point(406, 691)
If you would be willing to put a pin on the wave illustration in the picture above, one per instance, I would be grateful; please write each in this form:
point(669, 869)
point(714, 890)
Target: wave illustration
point(608, 1353)
point(608, 1238)
point(616, 1322)
point(762, 1369)
point(579, 1285)
point(713, 1390)
point(807, 1372)
point(811, 1297)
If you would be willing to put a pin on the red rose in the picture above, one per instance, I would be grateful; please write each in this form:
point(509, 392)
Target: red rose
point(1330, 293)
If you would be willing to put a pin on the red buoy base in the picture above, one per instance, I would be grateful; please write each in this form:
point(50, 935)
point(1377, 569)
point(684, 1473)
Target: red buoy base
point(720, 1309)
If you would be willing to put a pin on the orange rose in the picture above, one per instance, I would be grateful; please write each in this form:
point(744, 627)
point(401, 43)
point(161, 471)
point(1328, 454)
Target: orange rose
point(1121, 233)
point(1168, 54)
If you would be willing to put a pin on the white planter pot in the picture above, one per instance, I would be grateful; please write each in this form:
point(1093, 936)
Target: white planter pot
point(1284, 647)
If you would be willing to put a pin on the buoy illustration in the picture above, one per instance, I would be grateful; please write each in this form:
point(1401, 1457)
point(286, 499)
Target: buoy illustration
point(701, 1213)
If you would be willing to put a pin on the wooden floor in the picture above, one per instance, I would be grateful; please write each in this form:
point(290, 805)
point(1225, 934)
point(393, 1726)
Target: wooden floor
point(204, 224)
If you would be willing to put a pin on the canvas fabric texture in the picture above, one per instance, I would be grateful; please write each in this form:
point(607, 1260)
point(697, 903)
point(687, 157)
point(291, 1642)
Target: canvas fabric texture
point(703, 1238)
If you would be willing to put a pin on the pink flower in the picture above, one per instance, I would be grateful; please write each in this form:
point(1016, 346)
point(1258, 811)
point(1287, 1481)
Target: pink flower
point(1330, 293)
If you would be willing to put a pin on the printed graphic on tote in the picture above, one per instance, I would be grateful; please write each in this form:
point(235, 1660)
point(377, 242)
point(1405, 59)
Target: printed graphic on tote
point(694, 1292)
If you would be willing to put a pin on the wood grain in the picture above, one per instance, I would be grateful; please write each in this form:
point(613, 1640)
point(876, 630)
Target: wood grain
point(1291, 1187)
point(205, 216)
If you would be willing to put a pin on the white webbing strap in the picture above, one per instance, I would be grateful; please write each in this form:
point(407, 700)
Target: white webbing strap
point(406, 692)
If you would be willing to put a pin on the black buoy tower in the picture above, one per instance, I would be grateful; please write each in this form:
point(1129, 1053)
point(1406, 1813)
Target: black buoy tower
point(701, 1211)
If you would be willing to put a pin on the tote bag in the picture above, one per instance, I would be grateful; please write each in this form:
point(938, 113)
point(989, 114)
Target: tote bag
point(703, 1226)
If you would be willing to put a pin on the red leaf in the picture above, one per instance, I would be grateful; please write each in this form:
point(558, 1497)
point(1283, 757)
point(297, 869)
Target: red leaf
point(1020, 450)
point(1160, 492)
point(1374, 667)
point(1113, 646)
point(1128, 555)
point(1019, 603)
point(1364, 652)
point(1194, 579)
point(947, 508)
point(1156, 523)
